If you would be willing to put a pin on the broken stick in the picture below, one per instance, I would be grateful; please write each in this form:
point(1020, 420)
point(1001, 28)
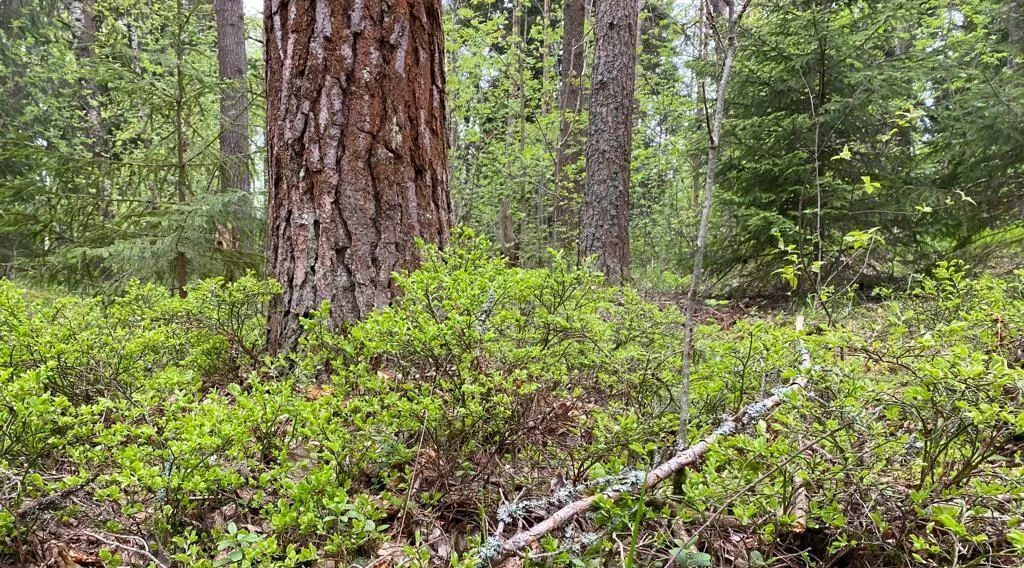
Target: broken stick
point(495, 550)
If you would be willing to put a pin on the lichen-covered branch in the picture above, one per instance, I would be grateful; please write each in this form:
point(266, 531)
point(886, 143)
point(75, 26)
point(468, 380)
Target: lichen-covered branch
point(495, 549)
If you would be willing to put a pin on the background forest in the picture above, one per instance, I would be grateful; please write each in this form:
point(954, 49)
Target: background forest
point(893, 122)
point(743, 290)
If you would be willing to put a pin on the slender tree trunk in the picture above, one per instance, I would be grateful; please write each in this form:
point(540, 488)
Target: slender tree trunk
point(700, 118)
point(510, 229)
point(567, 152)
point(83, 34)
point(1015, 32)
point(358, 167)
point(545, 55)
point(180, 262)
point(733, 14)
point(541, 200)
point(10, 10)
point(234, 118)
point(1015, 29)
point(524, 193)
point(517, 126)
point(604, 222)
point(153, 189)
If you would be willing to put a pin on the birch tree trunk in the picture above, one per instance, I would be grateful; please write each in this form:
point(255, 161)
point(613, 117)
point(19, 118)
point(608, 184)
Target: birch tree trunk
point(733, 15)
point(604, 222)
point(356, 149)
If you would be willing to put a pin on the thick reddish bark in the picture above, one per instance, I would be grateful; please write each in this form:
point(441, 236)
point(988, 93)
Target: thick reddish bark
point(356, 149)
point(234, 115)
point(604, 223)
point(569, 100)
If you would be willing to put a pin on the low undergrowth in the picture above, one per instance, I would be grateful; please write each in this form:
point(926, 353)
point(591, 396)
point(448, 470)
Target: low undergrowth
point(154, 430)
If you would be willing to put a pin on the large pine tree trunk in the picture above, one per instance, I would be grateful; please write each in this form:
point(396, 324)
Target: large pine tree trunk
point(604, 223)
point(356, 150)
point(569, 104)
point(234, 114)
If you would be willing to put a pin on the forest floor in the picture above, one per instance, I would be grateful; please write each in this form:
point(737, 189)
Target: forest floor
point(154, 430)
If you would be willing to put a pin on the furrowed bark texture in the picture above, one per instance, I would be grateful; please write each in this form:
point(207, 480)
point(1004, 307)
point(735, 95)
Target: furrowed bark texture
point(356, 149)
point(234, 112)
point(604, 222)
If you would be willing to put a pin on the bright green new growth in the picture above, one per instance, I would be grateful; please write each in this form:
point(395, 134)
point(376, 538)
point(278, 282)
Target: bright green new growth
point(403, 436)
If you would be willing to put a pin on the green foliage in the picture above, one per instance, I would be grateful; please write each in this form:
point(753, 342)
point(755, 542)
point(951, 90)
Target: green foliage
point(89, 349)
point(482, 384)
point(503, 90)
point(843, 118)
point(89, 208)
point(478, 363)
point(865, 140)
point(848, 116)
point(894, 119)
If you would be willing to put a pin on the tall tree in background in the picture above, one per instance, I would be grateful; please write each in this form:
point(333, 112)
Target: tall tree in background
point(83, 36)
point(110, 133)
point(234, 117)
point(570, 97)
point(182, 129)
point(356, 150)
point(1015, 28)
point(899, 92)
point(604, 223)
point(9, 11)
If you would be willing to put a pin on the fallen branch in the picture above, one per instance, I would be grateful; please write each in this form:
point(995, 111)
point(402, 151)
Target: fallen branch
point(142, 552)
point(495, 550)
point(801, 504)
point(30, 508)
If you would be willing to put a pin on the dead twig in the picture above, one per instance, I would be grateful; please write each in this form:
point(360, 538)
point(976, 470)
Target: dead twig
point(496, 550)
point(43, 503)
point(126, 547)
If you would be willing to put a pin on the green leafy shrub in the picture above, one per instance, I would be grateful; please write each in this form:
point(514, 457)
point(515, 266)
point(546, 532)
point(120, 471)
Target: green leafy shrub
point(491, 394)
point(478, 367)
point(93, 350)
